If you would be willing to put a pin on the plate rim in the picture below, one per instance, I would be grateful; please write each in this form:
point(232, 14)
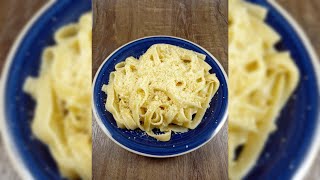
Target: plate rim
point(15, 157)
point(315, 145)
point(106, 131)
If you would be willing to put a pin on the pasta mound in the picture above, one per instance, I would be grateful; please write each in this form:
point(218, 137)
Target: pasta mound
point(169, 88)
point(261, 81)
point(62, 118)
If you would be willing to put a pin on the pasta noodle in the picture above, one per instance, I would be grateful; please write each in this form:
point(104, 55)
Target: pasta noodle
point(261, 81)
point(169, 88)
point(62, 118)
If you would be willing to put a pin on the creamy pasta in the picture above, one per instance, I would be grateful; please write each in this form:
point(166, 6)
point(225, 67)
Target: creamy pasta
point(169, 88)
point(62, 118)
point(261, 81)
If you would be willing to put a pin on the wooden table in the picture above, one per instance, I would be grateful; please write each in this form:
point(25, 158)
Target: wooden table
point(118, 22)
point(14, 14)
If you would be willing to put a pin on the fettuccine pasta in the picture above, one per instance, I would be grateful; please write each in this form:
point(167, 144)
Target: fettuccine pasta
point(169, 88)
point(62, 118)
point(261, 81)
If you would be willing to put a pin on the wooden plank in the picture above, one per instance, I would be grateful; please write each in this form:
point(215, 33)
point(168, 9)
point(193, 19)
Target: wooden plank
point(118, 22)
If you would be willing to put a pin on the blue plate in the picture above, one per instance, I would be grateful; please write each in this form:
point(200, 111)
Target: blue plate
point(290, 150)
point(135, 140)
point(31, 157)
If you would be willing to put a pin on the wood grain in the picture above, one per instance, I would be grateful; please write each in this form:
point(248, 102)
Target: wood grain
point(13, 16)
point(118, 22)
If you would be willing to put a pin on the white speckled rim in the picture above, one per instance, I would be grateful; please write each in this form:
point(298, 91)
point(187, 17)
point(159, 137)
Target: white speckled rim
point(105, 130)
point(313, 150)
point(11, 149)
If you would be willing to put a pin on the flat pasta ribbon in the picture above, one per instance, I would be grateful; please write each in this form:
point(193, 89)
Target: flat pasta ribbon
point(62, 92)
point(169, 88)
point(261, 81)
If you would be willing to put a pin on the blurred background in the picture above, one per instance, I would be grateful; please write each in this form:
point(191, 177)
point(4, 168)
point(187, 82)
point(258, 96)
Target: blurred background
point(307, 14)
point(15, 13)
point(13, 16)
